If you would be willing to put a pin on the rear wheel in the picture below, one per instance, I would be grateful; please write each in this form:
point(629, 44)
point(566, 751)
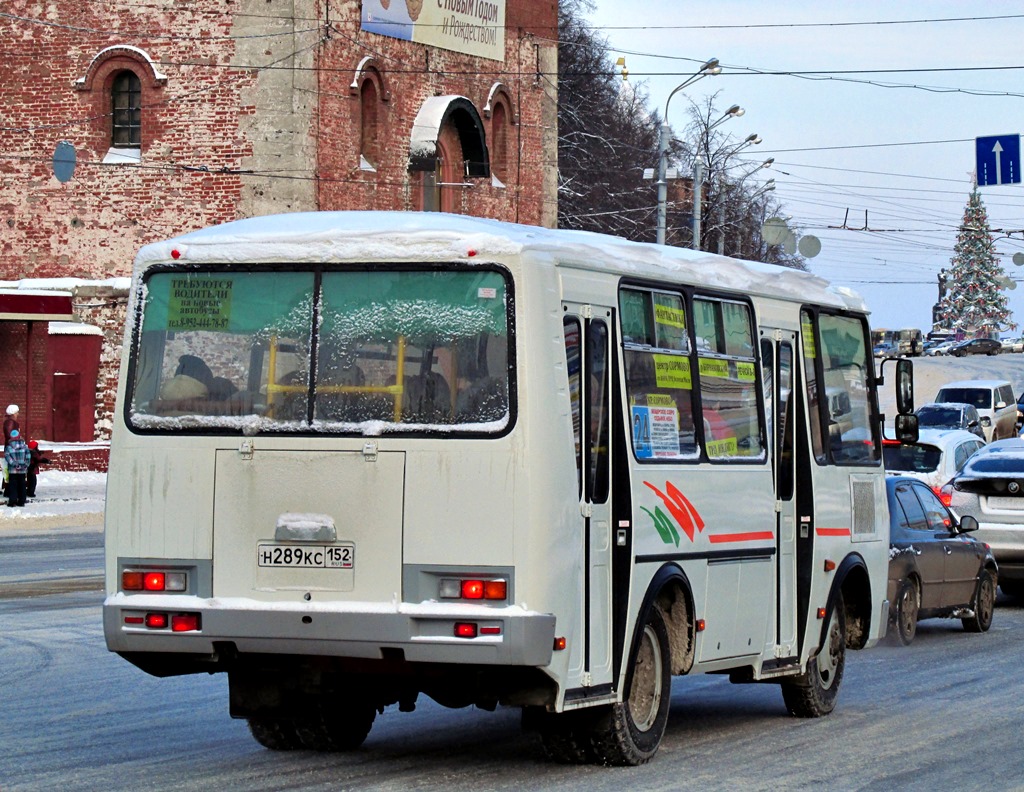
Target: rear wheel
point(277, 734)
point(984, 604)
point(334, 725)
point(814, 693)
point(908, 603)
point(630, 733)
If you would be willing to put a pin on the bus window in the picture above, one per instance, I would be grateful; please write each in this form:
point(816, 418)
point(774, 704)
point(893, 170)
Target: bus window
point(597, 405)
point(727, 370)
point(219, 319)
point(811, 376)
point(408, 349)
point(573, 359)
point(659, 387)
point(845, 361)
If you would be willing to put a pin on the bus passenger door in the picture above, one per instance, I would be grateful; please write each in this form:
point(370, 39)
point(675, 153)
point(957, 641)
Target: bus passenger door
point(587, 330)
point(777, 348)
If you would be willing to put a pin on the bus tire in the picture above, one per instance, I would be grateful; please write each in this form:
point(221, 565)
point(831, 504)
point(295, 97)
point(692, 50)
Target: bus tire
point(336, 725)
point(565, 737)
point(274, 733)
point(629, 733)
point(814, 693)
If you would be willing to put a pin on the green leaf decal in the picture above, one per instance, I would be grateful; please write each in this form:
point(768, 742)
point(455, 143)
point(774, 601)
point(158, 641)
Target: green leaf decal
point(663, 525)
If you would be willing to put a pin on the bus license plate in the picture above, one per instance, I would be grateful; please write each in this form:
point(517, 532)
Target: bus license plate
point(307, 556)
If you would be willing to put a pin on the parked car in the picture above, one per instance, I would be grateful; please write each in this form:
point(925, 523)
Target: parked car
point(950, 415)
point(886, 350)
point(936, 569)
point(937, 456)
point(990, 488)
point(1013, 344)
point(993, 400)
point(940, 349)
point(976, 346)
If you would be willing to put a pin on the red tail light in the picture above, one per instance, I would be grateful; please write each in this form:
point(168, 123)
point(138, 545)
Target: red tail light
point(185, 622)
point(945, 494)
point(156, 621)
point(465, 630)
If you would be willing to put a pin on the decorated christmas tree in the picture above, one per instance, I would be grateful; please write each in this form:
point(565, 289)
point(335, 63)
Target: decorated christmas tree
point(974, 302)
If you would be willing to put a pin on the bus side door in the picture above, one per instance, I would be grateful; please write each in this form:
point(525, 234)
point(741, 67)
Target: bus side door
point(587, 331)
point(777, 348)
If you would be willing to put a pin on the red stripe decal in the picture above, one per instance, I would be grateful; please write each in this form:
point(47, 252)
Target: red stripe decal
point(741, 537)
point(832, 531)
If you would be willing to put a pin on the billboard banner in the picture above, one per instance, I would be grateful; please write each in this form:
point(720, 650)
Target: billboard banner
point(474, 27)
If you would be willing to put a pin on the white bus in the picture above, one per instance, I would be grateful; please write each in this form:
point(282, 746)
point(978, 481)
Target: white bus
point(363, 456)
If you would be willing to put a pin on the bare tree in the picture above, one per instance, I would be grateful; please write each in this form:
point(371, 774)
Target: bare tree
point(608, 135)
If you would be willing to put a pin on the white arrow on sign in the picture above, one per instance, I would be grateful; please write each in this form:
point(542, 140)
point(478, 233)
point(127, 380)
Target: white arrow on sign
point(998, 150)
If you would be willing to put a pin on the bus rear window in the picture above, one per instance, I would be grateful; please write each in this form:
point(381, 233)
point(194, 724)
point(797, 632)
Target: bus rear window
point(360, 352)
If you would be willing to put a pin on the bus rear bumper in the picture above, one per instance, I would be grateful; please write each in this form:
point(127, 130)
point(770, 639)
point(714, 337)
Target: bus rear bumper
point(426, 632)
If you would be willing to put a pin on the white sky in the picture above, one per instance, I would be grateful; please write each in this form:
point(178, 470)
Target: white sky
point(921, 187)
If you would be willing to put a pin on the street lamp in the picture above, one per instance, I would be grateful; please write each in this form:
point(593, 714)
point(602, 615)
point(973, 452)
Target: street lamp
point(710, 68)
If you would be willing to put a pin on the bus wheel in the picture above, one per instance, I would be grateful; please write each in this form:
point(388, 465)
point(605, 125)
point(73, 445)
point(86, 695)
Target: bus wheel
point(275, 734)
point(334, 725)
point(564, 736)
point(630, 733)
point(814, 693)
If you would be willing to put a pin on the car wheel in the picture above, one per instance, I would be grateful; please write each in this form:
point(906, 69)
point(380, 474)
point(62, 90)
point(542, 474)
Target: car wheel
point(907, 603)
point(814, 693)
point(984, 604)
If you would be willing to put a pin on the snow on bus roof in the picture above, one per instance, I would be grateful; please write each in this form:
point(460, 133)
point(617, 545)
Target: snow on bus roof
point(358, 236)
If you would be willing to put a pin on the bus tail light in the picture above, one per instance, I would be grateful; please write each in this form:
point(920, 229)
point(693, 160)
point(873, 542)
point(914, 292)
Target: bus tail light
point(185, 622)
point(153, 580)
point(156, 621)
point(465, 629)
point(473, 589)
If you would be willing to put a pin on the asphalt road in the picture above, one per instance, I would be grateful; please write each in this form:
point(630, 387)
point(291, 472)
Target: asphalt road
point(944, 713)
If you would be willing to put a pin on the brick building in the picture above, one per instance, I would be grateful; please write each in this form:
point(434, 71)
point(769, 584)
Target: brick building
point(124, 123)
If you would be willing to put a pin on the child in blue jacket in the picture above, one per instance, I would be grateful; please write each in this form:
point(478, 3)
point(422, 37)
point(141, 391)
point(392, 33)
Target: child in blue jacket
point(18, 457)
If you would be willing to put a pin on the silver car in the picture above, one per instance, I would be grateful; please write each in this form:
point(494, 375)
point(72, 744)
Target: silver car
point(990, 488)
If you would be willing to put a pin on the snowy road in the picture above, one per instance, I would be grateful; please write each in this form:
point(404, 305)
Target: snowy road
point(944, 713)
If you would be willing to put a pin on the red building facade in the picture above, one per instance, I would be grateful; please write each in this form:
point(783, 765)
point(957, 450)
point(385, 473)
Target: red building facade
point(183, 115)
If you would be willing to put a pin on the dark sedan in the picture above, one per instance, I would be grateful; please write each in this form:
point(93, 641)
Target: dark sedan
point(976, 346)
point(935, 568)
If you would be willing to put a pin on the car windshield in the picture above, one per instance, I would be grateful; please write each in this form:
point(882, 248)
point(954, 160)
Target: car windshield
point(917, 458)
point(979, 397)
point(938, 416)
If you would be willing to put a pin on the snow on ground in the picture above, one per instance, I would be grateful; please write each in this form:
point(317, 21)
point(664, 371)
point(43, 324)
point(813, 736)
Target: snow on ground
point(62, 498)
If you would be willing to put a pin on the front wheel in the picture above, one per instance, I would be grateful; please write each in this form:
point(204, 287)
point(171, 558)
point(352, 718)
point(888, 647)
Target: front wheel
point(908, 603)
point(630, 733)
point(814, 693)
point(984, 604)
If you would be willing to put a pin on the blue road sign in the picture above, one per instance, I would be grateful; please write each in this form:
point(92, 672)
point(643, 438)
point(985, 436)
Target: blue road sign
point(998, 160)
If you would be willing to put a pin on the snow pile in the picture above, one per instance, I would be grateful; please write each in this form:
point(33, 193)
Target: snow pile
point(61, 494)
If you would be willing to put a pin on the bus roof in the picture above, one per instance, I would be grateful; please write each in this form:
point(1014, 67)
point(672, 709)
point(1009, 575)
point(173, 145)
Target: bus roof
point(360, 236)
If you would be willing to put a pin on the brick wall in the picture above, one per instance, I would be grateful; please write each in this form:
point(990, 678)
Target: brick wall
point(247, 110)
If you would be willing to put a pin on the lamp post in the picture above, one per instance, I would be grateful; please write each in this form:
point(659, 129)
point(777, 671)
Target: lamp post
point(711, 67)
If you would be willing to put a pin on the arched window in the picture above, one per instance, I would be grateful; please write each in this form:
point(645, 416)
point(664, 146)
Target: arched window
point(499, 142)
point(369, 147)
point(126, 107)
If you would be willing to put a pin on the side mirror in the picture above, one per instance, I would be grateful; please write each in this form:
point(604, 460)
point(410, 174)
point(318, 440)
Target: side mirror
point(972, 423)
point(968, 524)
point(905, 389)
point(1000, 405)
point(906, 429)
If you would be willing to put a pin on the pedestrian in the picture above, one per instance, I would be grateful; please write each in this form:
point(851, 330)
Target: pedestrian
point(10, 424)
point(18, 457)
point(36, 460)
